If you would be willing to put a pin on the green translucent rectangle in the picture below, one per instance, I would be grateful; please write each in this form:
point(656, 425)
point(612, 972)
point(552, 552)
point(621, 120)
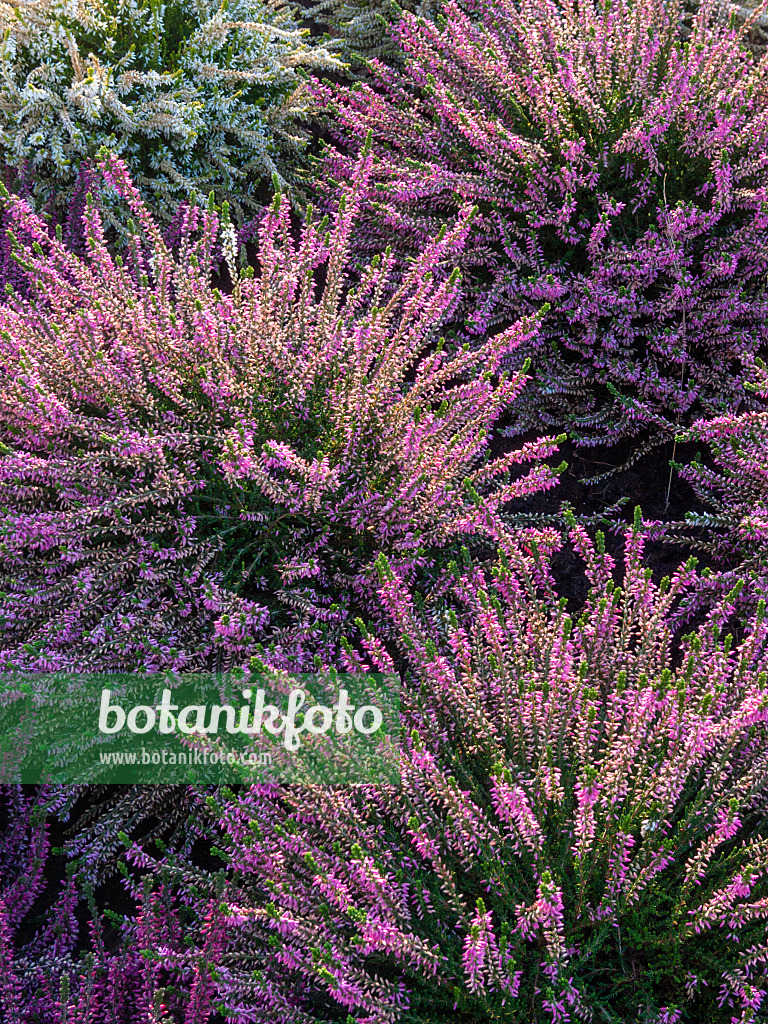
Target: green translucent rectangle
point(208, 728)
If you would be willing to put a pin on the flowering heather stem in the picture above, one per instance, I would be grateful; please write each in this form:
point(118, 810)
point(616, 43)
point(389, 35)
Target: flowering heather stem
point(733, 483)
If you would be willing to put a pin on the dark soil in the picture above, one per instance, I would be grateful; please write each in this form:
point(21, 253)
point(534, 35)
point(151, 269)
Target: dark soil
point(644, 484)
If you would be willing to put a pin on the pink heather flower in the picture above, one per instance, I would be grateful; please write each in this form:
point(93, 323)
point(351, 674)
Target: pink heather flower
point(732, 482)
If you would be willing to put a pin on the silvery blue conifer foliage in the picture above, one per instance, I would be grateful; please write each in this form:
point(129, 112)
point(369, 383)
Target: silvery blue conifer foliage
point(195, 95)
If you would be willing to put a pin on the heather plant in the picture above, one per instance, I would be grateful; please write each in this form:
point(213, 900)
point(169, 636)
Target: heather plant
point(620, 172)
point(732, 481)
point(580, 832)
point(135, 968)
point(193, 95)
point(70, 224)
point(757, 32)
point(185, 475)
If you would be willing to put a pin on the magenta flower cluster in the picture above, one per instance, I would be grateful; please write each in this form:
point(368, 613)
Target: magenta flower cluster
point(159, 969)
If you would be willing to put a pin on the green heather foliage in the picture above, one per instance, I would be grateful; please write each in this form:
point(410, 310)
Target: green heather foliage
point(580, 833)
point(192, 94)
point(621, 175)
